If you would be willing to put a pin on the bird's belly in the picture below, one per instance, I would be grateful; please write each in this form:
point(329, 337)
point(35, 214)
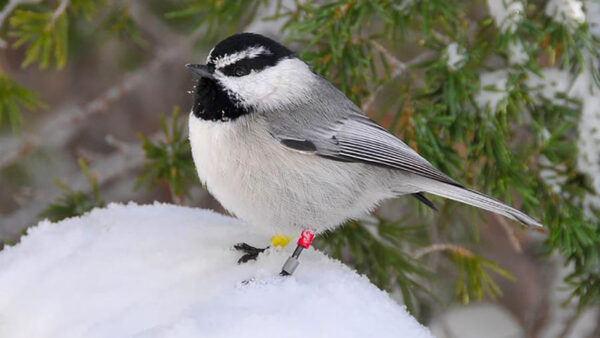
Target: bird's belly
point(266, 184)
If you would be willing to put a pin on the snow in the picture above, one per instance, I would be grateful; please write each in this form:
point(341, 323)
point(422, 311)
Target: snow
point(492, 90)
point(592, 9)
point(552, 174)
point(566, 11)
point(477, 320)
point(582, 88)
point(169, 271)
point(516, 53)
point(506, 14)
point(553, 82)
point(455, 56)
point(588, 140)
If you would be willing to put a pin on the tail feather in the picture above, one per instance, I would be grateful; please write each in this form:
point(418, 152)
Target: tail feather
point(476, 199)
point(419, 196)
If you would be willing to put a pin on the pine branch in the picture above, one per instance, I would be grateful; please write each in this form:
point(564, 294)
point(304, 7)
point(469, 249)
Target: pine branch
point(473, 279)
point(13, 98)
point(9, 8)
point(169, 160)
point(74, 202)
point(44, 38)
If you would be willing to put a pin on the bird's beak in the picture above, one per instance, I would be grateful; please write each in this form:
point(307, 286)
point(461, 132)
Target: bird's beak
point(201, 70)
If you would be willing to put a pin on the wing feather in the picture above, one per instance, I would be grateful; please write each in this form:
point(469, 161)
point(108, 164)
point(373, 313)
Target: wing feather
point(356, 138)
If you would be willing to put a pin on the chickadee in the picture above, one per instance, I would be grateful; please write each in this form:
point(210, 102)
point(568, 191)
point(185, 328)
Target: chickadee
point(280, 147)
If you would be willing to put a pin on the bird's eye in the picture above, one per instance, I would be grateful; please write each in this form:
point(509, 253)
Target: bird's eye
point(241, 71)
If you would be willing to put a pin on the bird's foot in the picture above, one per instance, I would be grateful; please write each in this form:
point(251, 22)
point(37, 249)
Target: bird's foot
point(250, 252)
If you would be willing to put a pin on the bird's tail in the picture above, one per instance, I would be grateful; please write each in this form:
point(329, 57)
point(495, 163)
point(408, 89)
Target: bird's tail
point(476, 199)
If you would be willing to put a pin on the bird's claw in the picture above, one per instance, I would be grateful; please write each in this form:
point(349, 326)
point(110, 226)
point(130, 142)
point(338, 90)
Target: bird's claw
point(250, 252)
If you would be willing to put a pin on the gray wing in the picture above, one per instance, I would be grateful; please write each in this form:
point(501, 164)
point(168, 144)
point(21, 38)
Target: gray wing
point(356, 138)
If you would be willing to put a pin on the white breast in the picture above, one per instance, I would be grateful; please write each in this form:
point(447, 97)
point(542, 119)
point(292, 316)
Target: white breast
point(262, 182)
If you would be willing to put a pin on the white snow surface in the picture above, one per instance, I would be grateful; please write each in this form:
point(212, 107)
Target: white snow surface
point(169, 271)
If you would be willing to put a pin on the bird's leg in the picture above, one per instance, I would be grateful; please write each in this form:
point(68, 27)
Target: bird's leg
point(292, 263)
point(250, 252)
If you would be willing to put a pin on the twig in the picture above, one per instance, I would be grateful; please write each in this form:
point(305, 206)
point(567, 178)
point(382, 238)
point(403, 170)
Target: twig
point(445, 39)
point(151, 25)
point(569, 324)
point(8, 8)
point(596, 332)
point(23, 150)
point(443, 247)
point(389, 56)
point(510, 233)
point(59, 11)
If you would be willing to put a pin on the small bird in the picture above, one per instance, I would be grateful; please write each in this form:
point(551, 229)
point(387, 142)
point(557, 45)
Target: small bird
point(280, 147)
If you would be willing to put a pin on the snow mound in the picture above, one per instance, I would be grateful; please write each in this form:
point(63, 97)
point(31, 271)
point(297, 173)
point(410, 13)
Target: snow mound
point(167, 271)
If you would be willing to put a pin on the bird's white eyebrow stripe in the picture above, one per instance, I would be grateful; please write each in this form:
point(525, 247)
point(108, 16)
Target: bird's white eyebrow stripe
point(209, 55)
point(248, 53)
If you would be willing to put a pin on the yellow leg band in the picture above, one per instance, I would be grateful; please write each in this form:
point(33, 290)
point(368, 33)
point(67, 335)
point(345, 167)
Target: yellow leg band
point(280, 240)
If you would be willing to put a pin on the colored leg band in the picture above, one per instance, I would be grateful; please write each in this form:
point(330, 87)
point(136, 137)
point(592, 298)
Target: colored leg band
point(292, 263)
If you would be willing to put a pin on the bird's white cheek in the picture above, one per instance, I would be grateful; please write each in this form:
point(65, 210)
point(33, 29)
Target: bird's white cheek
point(272, 87)
point(252, 88)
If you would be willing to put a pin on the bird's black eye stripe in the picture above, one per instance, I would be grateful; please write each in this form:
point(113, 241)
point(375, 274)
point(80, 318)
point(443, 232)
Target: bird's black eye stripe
point(245, 66)
point(241, 70)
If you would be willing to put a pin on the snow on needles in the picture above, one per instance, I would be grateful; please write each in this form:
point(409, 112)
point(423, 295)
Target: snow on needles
point(167, 271)
point(506, 14)
point(455, 56)
point(493, 90)
point(582, 88)
point(566, 11)
point(517, 55)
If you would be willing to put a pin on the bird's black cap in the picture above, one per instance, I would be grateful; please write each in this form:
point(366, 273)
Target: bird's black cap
point(240, 42)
